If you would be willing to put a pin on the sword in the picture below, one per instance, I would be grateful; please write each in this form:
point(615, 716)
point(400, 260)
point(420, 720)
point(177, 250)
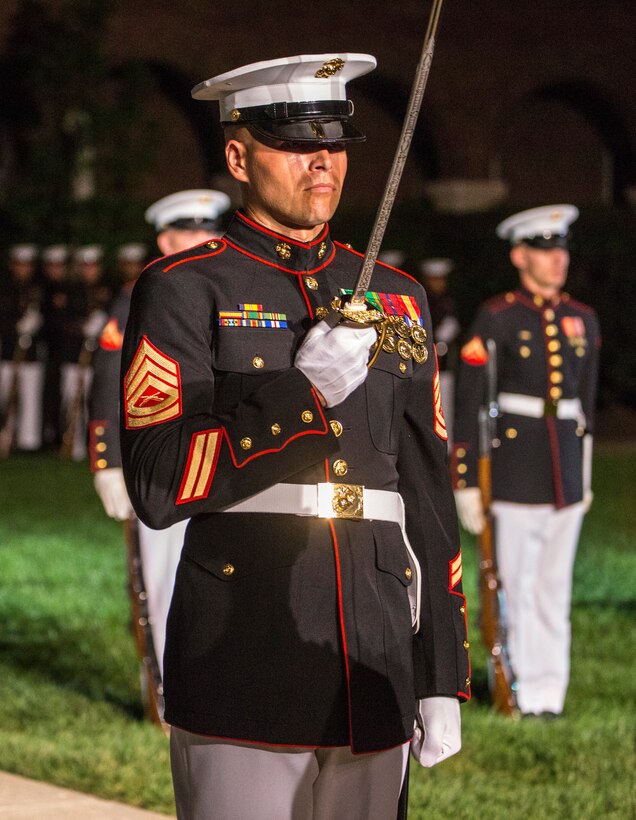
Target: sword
point(352, 310)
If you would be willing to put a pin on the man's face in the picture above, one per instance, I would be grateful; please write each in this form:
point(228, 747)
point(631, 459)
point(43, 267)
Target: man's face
point(542, 270)
point(288, 190)
point(22, 271)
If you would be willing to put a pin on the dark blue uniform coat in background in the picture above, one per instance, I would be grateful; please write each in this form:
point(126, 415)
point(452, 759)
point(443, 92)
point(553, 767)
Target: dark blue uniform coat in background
point(545, 349)
point(287, 629)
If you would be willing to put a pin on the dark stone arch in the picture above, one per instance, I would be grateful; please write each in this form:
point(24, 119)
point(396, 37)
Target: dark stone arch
point(392, 97)
point(593, 105)
point(176, 86)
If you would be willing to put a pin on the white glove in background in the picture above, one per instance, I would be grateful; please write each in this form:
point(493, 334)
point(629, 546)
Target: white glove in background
point(470, 509)
point(438, 730)
point(335, 359)
point(111, 488)
point(94, 324)
point(29, 323)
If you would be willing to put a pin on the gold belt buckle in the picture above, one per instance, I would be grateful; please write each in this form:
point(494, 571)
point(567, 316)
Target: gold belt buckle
point(341, 501)
point(347, 501)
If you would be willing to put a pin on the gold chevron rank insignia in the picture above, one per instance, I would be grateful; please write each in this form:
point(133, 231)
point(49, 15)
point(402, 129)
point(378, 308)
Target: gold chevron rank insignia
point(440, 423)
point(152, 388)
point(201, 465)
point(455, 571)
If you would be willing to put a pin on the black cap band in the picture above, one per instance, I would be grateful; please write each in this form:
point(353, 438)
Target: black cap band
point(291, 111)
point(192, 224)
point(545, 242)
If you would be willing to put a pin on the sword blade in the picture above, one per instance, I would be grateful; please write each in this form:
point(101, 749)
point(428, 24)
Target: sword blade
point(388, 198)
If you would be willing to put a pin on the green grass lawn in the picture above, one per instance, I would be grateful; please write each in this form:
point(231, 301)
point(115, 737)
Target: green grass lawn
point(70, 710)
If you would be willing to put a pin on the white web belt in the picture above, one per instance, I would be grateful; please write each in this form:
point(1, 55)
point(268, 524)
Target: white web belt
point(350, 501)
point(535, 407)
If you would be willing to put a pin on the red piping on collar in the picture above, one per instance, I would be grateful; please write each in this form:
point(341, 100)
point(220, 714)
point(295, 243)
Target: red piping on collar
point(262, 229)
point(327, 261)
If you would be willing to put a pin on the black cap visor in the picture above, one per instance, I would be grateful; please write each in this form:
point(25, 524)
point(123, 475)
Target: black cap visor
point(544, 242)
point(192, 224)
point(307, 132)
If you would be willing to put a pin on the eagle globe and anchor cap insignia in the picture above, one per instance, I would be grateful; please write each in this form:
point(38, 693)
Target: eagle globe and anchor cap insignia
point(330, 68)
point(152, 387)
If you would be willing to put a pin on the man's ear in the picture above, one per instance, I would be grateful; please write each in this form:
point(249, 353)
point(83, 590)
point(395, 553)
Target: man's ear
point(518, 256)
point(235, 156)
point(164, 244)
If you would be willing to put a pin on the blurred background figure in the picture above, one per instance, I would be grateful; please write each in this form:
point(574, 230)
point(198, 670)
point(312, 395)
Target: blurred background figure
point(55, 307)
point(532, 355)
point(88, 301)
point(21, 370)
point(446, 329)
point(182, 220)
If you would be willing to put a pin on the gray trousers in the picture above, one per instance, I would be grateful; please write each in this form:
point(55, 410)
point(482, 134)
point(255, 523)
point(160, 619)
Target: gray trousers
point(218, 780)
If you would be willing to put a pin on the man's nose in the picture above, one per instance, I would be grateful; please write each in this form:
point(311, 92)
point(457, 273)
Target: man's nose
point(321, 160)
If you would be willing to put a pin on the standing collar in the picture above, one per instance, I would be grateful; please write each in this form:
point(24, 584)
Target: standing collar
point(537, 301)
point(277, 250)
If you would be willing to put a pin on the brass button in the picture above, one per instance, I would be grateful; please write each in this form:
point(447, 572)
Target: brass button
point(307, 416)
point(580, 431)
point(538, 300)
point(555, 392)
point(100, 447)
point(99, 430)
point(554, 345)
point(467, 681)
point(460, 452)
point(556, 377)
point(462, 609)
point(336, 427)
point(258, 362)
point(340, 467)
point(212, 245)
point(551, 330)
point(525, 335)
point(548, 315)
point(511, 433)
point(461, 484)
point(462, 468)
point(311, 283)
point(510, 297)
point(402, 367)
point(408, 573)
point(246, 443)
point(466, 645)
point(322, 250)
point(321, 312)
point(235, 114)
point(580, 351)
point(228, 569)
point(556, 360)
point(276, 429)
point(524, 351)
point(283, 250)
point(101, 463)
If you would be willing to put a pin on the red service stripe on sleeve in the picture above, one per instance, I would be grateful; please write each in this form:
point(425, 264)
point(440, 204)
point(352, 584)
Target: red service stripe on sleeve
point(455, 571)
point(439, 422)
point(200, 466)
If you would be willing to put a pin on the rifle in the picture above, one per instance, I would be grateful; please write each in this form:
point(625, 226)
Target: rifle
point(150, 676)
point(10, 416)
point(492, 620)
point(75, 408)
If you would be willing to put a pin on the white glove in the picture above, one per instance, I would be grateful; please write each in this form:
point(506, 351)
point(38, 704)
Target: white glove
point(470, 509)
point(111, 488)
point(438, 730)
point(94, 324)
point(29, 323)
point(334, 359)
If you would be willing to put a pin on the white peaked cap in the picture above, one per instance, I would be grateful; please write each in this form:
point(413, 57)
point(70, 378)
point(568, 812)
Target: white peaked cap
point(436, 267)
point(544, 224)
point(88, 254)
point(132, 252)
point(292, 99)
point(303, 78)
point(23, 253)
point(395, 258)
point(197, 204)
point(55, 254)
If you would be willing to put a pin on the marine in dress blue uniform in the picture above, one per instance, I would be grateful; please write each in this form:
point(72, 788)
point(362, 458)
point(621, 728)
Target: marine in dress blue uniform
point(547, 349)
point(181, 219)
point(294, 646)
